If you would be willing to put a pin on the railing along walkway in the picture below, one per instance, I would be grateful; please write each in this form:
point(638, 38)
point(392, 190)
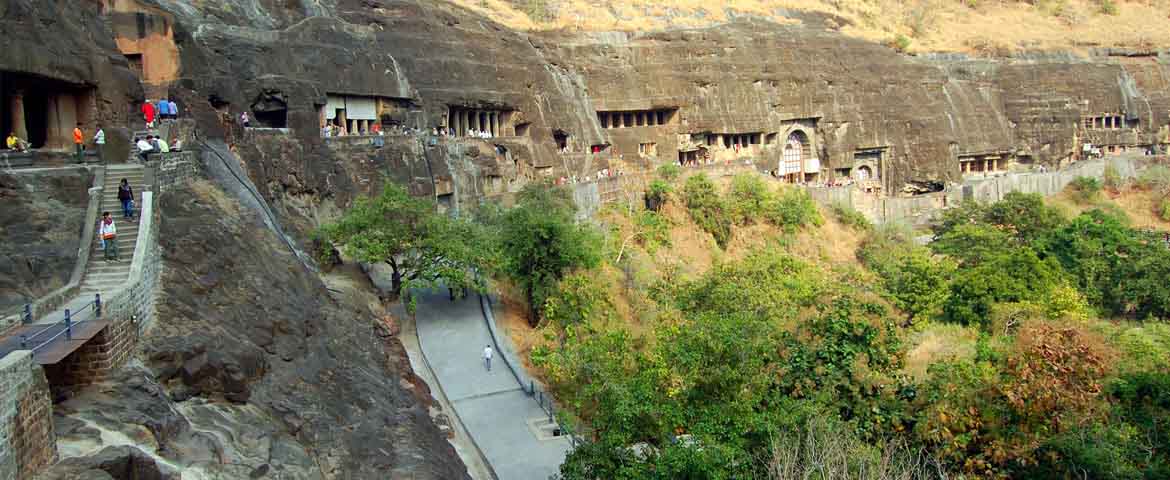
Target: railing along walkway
point(54, 340)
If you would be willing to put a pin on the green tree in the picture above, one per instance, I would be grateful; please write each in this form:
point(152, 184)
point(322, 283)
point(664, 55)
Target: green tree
point(422, 247)
point(541, 242)
point(1013, 276)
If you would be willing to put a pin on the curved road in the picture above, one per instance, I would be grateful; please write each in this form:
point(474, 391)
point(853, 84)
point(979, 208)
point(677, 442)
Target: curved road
point(500, 417)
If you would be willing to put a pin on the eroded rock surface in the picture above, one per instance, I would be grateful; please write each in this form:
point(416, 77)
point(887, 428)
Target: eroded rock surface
point(41, 225)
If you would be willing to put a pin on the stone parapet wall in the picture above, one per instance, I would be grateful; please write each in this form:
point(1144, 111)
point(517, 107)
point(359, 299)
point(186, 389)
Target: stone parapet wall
point(920, 209)
point(27, 441)
point(176, 168)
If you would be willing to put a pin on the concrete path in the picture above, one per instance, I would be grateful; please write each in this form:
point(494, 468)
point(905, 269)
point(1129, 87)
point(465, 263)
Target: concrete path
point(500, 417)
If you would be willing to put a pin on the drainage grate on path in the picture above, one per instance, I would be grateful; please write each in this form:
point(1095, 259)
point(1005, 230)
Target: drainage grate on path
point(545, 429)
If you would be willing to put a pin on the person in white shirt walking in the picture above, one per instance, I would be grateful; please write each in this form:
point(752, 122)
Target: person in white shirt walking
point(99, 140)
point(109, 235)
point(487, 357)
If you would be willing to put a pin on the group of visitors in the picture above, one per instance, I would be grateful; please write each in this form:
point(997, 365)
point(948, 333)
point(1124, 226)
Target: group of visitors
point(151, 144)
point(107, 230)
point(161, 109)
point(18, 144)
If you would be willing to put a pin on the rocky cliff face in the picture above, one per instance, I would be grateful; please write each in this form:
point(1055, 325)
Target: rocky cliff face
point(913, 118)
point(41, 223)
point(254, 371)
point(250, 342)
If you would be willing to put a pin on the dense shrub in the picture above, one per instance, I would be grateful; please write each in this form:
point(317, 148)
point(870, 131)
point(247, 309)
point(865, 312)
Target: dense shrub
point(991, 418)
point(1084, 189)
point(707, 208)
point(748, 199)
point(1015, 275)
point(1023, 217)
point(1156, 179)
point(914, 279)
point(793, 209)
point(1119, 269)
point(850, 217)
point(669, 172)
point(657, 194)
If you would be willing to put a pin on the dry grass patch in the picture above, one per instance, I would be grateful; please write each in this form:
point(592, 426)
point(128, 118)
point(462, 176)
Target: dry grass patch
point(991, 27)
point(938, 342)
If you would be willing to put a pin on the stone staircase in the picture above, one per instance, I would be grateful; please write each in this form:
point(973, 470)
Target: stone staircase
point(100, 276)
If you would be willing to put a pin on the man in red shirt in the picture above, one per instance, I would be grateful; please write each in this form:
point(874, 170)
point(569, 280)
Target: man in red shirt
point(148, 113)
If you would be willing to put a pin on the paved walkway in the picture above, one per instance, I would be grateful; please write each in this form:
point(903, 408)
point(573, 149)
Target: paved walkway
point(496, 411)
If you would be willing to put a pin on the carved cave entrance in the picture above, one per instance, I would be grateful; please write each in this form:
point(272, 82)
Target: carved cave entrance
point(43, 111)
point(796, 151)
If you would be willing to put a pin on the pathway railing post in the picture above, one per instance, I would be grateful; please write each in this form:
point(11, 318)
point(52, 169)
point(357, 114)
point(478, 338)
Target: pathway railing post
point(23, 341)
point(97, 304)
point(27, 317)
point(68, 325)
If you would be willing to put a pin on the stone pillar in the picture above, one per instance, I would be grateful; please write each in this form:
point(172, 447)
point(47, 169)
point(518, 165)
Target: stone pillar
point(53, 135)
point(341, 121)
point(16, 108)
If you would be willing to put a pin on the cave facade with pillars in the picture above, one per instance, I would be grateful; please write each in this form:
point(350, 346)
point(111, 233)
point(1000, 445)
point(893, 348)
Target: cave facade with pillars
point(44, 111)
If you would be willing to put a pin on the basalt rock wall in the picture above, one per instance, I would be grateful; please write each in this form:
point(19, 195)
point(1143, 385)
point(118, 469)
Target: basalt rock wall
point(920, 116)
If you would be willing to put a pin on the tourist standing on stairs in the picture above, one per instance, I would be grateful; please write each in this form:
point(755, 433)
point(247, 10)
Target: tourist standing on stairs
point(79, 143)
point(109, 235)
point(99, 141)
point(487, 357)
point(126, 196)
point(173, 109)
point(148, 113)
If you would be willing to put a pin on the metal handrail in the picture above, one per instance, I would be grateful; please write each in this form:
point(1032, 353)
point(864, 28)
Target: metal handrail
point(94, 306)
point(546, 403)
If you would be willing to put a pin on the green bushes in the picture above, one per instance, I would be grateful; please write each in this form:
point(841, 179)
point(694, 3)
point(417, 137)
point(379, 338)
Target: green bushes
point(658, 194)
point(707, 208)
point(914, 279)
point(793, 209)
point(850, 217)
point(1016, 275)
point(749, 200)
point(670, 172)
point(1084, 189)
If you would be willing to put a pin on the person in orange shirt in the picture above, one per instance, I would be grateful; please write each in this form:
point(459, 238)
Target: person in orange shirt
point(79, 143)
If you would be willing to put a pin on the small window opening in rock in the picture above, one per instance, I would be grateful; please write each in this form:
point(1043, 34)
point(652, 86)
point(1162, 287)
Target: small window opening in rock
point(522, 129)
point(135, 61)
point(770, 138)
point(562, 140)
point(218, 103)
point(271, 110)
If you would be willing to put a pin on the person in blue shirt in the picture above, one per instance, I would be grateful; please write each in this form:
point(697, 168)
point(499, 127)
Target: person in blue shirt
point(174, 109)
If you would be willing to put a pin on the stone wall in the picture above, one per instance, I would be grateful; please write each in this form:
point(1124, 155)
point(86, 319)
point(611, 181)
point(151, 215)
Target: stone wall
point(176, 168)
point(27, 441)
point(920, 209)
